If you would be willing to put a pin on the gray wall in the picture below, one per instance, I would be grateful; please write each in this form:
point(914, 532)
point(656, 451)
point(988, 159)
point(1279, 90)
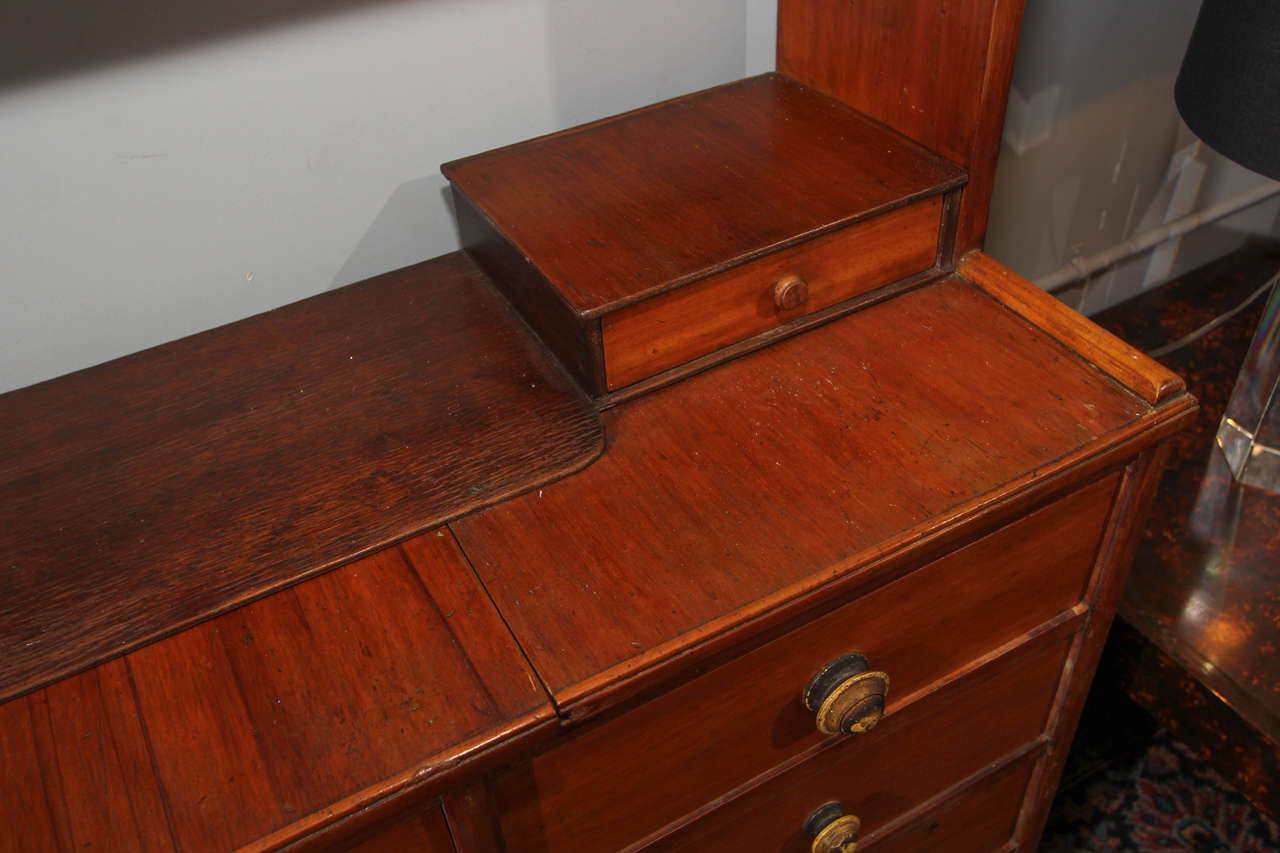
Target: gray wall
point(1094, 151)
point(161, 173)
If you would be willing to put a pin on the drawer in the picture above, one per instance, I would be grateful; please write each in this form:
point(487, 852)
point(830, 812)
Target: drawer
point(702, 317)
point(910, 758)
point(979, 819)
point(427, 832)
point(609, 784)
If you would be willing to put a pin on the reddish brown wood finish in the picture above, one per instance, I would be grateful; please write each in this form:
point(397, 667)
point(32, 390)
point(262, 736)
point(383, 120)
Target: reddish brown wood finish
point(1132, 503)
point(977, 819)
point(281, 718)
point(76, 771)
point(920, 629)
point(425, 833)
point(1128, 366)
point(153, 491)
point(935, 70)
point(736, 490)
point(620, 210)
point(682, 324)
point(473, 821)
point(912, 756)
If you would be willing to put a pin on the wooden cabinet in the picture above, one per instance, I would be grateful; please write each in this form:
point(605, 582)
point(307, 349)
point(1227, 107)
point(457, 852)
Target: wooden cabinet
point(720, 394)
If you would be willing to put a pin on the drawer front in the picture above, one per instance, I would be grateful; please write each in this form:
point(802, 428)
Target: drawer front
point(699, 318)
point(980, 819)
point(910, 758)
point(612, 783)
point(427, 832)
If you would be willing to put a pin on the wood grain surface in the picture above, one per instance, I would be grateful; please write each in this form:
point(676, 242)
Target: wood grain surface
point(935, 70)
point(609, 782)
point(911, 757)
point(274, 721)
point(1130, 367)
point(977, 819)
point(739, 488)
point(682, 324)
point(424, 833)
point(153, 491)
point(619, 210)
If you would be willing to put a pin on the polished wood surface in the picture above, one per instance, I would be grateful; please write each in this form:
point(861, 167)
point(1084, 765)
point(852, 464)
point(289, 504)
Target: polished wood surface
point(279, 719)
point(1129, 366)
point(425, 833)
point(935, 70)
point(154, 491)
point(1204, 596)
point(681, 325)
point(913, 755)
point(977, 819)
point(707, 504)
point(623, 209)
point(946, 479)
point(920, 628)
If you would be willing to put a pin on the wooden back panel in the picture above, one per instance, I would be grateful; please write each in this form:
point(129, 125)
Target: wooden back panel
point(935, 70)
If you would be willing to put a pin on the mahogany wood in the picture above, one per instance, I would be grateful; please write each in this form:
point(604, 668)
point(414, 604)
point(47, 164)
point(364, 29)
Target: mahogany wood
point(154, 491)
point(735, 490)
point(278, 719)
point(622, 209)
point(1106, 586)
point(583, 223)
point(913, 755)
point(425, 833)
point(935, 70)
point(682, 324)
point(920, 629)
point(1130, 367)
point(473, 821)
point(76, 770)
point(978, 818)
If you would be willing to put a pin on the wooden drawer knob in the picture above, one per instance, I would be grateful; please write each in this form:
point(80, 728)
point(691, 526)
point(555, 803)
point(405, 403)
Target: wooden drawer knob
point(832, 830)
point(790, 293)
point(847, 695)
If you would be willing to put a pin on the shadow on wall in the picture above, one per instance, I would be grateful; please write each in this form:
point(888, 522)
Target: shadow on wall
point(50, 38)
point(416, 223)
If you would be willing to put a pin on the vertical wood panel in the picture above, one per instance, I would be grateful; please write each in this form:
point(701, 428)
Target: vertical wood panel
point(936, 70)
point(335, 690)
point(75, 772)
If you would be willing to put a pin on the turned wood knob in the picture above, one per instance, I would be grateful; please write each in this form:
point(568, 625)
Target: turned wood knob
point(847, 695)
point(832, 830)
point(790, 293)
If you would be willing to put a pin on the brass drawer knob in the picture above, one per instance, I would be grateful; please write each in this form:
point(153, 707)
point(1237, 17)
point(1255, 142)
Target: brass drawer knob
point(790, 293)
point(847, 695)
point(832, 830)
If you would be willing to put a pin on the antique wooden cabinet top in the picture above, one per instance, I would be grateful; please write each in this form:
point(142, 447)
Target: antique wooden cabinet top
point(705, 372)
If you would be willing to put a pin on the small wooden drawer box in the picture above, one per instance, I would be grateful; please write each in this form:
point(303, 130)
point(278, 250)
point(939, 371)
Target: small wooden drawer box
point(664, 240)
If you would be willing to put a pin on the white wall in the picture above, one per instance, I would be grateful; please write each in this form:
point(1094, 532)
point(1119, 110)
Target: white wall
point(174, 184)
point(1094, 151)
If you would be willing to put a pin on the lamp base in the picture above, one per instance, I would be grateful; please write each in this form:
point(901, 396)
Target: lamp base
point(1249, 434)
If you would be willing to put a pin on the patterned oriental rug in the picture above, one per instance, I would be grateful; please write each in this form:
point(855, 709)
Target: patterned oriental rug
point(1164, 799)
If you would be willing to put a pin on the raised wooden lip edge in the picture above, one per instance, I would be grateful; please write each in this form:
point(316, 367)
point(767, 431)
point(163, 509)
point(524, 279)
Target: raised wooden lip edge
point(1134, 370)
point(436, 768)
point(614, 684)
point(957, 182)
point(1060, 626)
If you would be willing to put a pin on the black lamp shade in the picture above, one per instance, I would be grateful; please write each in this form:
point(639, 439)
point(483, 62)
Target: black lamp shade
point(1228, 90)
